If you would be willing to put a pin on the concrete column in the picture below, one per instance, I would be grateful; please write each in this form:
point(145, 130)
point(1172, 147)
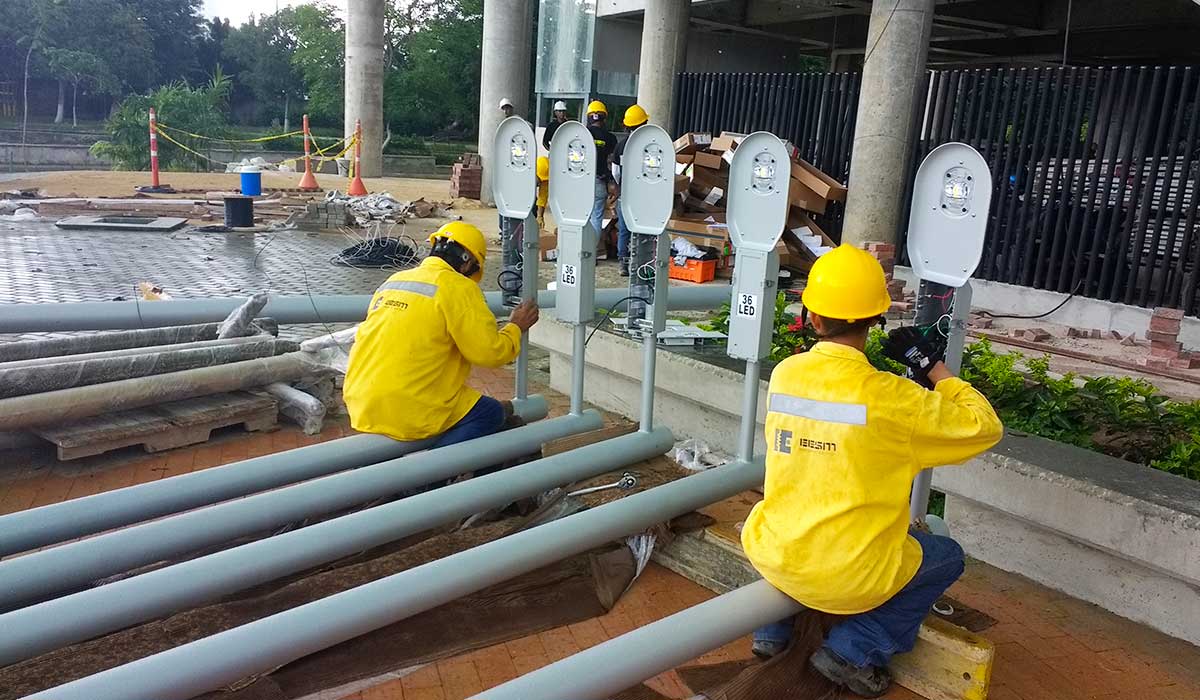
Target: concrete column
point(507, 46)
point(897, 42)
point(364, 79)
point(664, 53)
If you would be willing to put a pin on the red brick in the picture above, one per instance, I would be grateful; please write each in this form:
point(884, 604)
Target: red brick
point(1169, 352)
point(1037, 335)
point(1187, 362)
point(1164, 312)
point(1166, 325)
point(1162, 337)
point(1154, 362)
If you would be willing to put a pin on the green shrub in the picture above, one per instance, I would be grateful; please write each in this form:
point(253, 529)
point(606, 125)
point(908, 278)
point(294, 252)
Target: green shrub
point(195, 110)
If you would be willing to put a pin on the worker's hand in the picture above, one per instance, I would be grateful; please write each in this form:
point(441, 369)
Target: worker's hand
point(614, 190)
point(525, 315)
point(909, 346)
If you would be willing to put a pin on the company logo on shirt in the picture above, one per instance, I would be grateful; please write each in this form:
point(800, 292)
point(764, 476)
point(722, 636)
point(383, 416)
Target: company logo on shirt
point(785, 441)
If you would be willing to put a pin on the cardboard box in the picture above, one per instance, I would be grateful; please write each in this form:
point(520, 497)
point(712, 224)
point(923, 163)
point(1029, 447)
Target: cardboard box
point(715, 229)
point(821, 184)
point(727, 141)
point(696, 204)
point(692, 142)
point(712, 161)
point(548, 245)
point(801, 196)
point(710, 177)
point(684, 158)
point(682, 182)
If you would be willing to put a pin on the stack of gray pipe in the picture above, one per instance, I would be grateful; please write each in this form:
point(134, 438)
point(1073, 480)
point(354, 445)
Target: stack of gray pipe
point(53, 381)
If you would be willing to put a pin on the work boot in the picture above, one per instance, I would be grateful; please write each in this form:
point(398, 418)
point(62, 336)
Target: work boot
point(767, 648)
point(867, 681)
point(624, 266)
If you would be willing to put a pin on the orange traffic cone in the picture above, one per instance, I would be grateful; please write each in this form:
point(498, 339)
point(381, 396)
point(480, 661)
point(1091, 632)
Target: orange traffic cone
point(308, 181)
point(357, 188)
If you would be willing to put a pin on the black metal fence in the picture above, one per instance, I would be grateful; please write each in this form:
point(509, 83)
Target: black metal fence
point(815, 111)
point(1095, 169)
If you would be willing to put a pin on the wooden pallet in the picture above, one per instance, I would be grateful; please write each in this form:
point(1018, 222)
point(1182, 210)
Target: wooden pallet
point(163, 427)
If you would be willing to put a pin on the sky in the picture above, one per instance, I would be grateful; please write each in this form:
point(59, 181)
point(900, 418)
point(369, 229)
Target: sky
point(237, 11)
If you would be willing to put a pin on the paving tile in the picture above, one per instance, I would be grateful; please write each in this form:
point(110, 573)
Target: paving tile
point(588, 633)
point(391, 690)
point(460, 679)
point(425, 677)
point(526, 646)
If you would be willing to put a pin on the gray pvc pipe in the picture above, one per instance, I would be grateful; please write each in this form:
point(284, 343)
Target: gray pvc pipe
point(40, 574)
point(126, 352)
point(216, 661)
point(59, 522)
point(58, 347)
point(112, 315)
point(49, 625)
point(606, 669)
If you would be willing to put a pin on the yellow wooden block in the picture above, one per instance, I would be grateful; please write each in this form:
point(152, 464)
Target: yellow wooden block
point(948, 663)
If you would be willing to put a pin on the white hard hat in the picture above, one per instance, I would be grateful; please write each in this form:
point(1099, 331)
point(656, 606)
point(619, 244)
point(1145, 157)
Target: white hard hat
point(505, 102)
point(560, 106)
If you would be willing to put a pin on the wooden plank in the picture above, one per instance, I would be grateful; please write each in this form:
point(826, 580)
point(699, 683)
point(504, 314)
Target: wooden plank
point(164, 427)
point(948, 662)
point(574, 442)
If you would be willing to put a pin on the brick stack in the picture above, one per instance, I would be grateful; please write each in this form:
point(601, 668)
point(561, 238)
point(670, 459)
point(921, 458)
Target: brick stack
point(885, 253)
point(324, 215)
point(467, 178)
point(1165, 349)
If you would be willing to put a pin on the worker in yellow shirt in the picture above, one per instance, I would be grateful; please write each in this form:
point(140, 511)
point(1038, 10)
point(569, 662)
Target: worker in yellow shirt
point(425, 328)
point(845, 441)
point(543, 191)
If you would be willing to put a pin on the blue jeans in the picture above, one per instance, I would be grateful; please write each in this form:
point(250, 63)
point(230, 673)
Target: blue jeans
point(873, 637)
point(600, 198)
point(484, 418)
point(622, 235)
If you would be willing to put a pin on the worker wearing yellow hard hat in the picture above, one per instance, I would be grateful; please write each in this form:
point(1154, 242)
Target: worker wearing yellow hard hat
point(844, 443)
point(635, 117)
point(606, 143)
point(543, 190)
point(425, 328)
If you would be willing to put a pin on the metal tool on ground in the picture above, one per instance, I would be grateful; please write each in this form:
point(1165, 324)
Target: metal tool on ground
point(627, 481)
point(952, 194)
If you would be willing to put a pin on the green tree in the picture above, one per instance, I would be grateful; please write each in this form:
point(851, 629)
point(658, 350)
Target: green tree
point(264, 51)
point(175, 28)
point(80, 67)
point(319, 58)
point(196, 110)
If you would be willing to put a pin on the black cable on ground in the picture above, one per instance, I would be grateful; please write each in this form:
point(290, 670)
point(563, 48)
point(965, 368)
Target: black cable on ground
point(610, 312)
point(1061, 304)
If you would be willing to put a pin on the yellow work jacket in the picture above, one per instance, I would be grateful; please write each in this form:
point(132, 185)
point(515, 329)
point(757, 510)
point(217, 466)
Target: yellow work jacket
point(844, 442)
point(543, 193)
point(408, 369)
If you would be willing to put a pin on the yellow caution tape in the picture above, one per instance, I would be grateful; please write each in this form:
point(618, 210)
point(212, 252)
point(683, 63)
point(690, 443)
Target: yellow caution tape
point(260, 139)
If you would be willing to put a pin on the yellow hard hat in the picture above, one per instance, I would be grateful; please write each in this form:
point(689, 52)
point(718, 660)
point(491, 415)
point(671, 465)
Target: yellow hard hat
point(848, 284)
point(543, 168)
point(467, 236)
point(597, 107)
point(636, 116)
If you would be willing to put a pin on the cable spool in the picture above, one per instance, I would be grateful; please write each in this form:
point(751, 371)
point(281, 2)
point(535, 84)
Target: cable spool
point(239, 211)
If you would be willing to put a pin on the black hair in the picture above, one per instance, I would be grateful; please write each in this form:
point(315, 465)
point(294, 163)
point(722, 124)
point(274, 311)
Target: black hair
point(455, 255)
point(835, 327)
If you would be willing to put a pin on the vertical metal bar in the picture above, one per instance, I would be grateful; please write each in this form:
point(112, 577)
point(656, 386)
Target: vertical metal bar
point(578, 366)
point(1146, 278)
point(1189, 289)
point(837, 122)
point(825, 110)
point(1108, 95)
point(1034, 202)
point(1022, 104)
point(749, 425)
point(1026, 143)
point(649, 357)
point(1071, 130)
point(971, 131)
point(1116, 189)
point(992, 117)
point(1027, 237)
point(1082, 196)
point(1121, 276)
point(1185, 181)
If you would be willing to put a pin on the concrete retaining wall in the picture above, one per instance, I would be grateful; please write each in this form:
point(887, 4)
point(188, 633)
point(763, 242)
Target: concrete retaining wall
point(694, 398)
point(1117, 534)
point(1080, 312)
point(1120, 535)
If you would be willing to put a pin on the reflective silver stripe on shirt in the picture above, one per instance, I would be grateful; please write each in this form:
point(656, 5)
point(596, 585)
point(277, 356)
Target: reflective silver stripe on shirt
point(423, 288)
point(828, 411)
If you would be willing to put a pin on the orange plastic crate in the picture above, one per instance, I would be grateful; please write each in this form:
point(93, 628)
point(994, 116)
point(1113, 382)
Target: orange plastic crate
point(694, 270)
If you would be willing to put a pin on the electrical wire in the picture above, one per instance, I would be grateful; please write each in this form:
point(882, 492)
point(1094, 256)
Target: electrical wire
point(1061, 304)
point(608, 314)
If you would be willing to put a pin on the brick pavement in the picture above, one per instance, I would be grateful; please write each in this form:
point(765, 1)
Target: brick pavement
point(1049, 646)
